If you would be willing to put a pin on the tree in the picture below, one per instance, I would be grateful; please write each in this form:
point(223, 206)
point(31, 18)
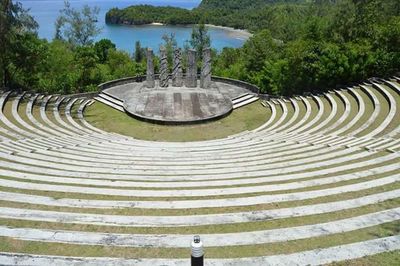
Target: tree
point(16, 27)
point(60, 73)
point(122, 65)
point(139, 52)
point(103, 48)
point(77, 27)
point(259, 48)
point(200, 39)
point(86, 58)
point(170, 45)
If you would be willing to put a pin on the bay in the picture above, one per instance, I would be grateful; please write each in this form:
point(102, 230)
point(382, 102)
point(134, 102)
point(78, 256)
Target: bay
point(45, 13)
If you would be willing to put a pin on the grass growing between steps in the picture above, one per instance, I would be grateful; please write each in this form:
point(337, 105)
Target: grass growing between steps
point(60, 249)
point(253, 225)
point(108, 119)
point(384, 259)
point(209, 210)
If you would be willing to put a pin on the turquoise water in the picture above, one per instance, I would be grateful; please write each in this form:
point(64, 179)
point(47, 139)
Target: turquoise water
point(45, 13)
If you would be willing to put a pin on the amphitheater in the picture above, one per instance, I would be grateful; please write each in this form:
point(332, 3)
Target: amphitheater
point(317, 183)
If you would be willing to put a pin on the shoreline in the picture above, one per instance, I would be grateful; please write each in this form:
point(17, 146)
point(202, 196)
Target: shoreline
point(236, 33)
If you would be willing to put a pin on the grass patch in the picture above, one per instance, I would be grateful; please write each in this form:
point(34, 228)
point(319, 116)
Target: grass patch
point(339, 113)
point(352, 114)
point(314, 112)
point(108, 119)
point(396, 119)
point(383, 113)
point(369, 109)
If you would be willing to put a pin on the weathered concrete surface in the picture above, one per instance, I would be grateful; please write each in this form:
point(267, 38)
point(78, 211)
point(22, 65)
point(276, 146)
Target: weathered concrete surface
point(22, 166)
point(178, 105)
point(191, 72)
point(150, 80)
point(188, 173)
point(182, 192)
point(124, 91)
point(68, 177)
point(310, 258)
point(188, 204)
point(212, 240)
point(194, 220)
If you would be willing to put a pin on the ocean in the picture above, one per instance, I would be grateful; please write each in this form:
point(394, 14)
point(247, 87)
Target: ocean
point(45, 13)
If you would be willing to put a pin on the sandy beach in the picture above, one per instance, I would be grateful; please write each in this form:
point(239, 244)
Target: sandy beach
point(236, 33)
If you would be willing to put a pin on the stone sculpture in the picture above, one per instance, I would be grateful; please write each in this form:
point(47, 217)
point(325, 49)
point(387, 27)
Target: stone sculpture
point(164, 75)
point(205, 78)
point(177, 74)
point(150, 83)
point(191, 73)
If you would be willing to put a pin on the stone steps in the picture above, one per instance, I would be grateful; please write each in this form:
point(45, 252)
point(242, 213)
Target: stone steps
point(110, 101)
point(308, 160)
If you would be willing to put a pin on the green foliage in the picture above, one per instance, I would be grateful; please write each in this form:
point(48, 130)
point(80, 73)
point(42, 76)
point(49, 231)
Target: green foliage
point(170, 45)
point(333, 43)
point(77, 27)
point(146, 14)
point(200, 39)
point(245, 14)
point(298, 46)
point(140, 52)
point(102, 48)
point(240, 4)
point(59, 66)
point(16, 27)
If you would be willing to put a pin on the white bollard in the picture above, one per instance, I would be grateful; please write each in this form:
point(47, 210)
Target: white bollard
point(197, 257)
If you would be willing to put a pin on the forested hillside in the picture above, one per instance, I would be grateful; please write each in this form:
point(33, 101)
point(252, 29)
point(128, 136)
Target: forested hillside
point(241, 4)
point(146, 14)
point(243, 14)
point(298, 46)
point(326, 44)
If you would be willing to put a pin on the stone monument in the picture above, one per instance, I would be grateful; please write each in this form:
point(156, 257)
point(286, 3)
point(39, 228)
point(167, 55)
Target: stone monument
point(177, 73)
point(205, 78)
point(164, 75)
point(150, 82)
point(184, 102)
point(191, 73)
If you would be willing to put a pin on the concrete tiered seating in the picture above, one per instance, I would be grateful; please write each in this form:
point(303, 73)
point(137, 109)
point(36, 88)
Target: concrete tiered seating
point(321, 170)
point(111, 101)
point(243, 100)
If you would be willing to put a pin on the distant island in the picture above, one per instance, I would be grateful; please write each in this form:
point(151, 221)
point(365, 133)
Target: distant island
point(147, 14)
point(242, 14)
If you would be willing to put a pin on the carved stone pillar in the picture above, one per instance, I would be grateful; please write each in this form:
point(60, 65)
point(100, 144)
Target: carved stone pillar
point(150, 83)
point(205, 79)
point(177, 75)
point(191, 73)
point(164, 73)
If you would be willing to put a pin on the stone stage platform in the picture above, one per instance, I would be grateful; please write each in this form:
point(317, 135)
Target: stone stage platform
point(181, 105)
point(174, 105)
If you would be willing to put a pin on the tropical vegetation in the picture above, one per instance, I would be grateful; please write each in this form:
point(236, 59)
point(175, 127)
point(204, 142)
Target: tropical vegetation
point(298, 46)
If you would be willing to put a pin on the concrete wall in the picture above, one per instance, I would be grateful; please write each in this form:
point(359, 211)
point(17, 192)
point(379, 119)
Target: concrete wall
point(122, 81)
